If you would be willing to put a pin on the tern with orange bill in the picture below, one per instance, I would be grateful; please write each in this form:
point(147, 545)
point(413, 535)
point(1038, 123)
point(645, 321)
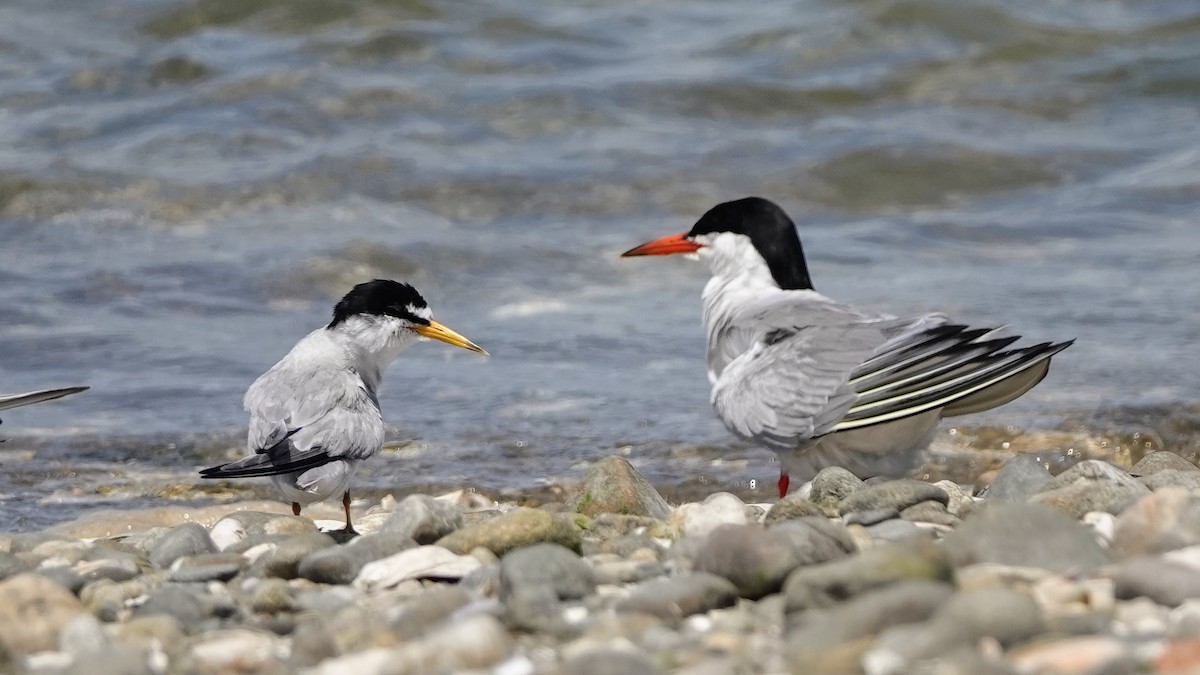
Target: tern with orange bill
point(824, 383)
point(314, 415)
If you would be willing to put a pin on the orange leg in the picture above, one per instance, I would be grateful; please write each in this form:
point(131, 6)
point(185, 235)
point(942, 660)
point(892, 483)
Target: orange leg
point(784, 482)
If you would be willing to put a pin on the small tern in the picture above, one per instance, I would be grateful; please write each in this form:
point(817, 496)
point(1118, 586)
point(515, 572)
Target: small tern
point(314, 415)
point(823, 383)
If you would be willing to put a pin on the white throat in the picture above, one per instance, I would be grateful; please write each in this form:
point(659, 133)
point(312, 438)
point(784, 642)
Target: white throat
point(371, 344)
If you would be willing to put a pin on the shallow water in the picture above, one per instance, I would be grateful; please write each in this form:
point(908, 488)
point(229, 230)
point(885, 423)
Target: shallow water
point(185, 188)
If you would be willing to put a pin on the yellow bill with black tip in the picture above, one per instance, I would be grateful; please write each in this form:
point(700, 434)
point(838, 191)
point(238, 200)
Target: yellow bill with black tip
point(436, 331)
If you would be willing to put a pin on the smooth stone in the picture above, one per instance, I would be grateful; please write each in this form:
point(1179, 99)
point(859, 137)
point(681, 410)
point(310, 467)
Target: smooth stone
point(1161, 460)
point(11, 565)
point(1165, 582)
point(326, 600)
point(961, 502)
point(422, 562)
point(237, 527)
point(826, 584)
point(389, 619)
point(202, 573)
point(341, 564)
point(520, 527)
point(236, 650)
point(83, 636)
point(1188, 479)
point(609, 661)
point(757, 560)
point(1072, 655)
point(816, 635)
point(620, 572)
point(423, 519)
point(63, 576)
point(27, 542)
point(791, 507)
point(283, 561)
point(637, 546)
point(311, 645)
point(1162, 521)
point(833, 484)
point(930, 512)
point(101, 523)
point(894, 495)
point(117, 568)
point(1009, 619)
point(676, 597)
point(609, 526)
point(894, 530)
point(1025, 535)
point(474, 644)
point(185, 540)
point(270, 596)
point(699, 519)
point(547, 566)
point(186, 603)
point(1019, 479)
point(33, 611)
point(1083, 496)
point(1091, 470)
point(612, 485)
point(871, 517)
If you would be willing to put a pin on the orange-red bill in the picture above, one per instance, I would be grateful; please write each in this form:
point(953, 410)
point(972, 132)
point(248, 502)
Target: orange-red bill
point(675, 243)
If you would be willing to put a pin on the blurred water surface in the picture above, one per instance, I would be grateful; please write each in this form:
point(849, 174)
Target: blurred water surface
point(186, 187)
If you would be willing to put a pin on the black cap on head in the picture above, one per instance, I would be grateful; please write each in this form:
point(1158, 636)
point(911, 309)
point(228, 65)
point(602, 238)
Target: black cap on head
point(381, 297)
point(769, 229)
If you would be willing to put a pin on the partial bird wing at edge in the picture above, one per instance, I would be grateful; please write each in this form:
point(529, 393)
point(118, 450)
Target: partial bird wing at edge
point(29, 398)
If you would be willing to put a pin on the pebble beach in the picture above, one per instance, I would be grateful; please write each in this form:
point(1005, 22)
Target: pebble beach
point(1093, 570)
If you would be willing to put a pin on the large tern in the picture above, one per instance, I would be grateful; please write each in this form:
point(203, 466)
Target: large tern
point(828, 384)
point(314, 415)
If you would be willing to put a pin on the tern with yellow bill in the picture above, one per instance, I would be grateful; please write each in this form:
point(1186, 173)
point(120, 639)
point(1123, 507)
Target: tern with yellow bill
point(314, 415)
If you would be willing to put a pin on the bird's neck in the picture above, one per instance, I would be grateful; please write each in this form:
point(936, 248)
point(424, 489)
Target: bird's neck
point(370, 346)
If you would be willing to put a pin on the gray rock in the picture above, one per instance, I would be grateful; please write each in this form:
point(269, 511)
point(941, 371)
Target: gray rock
point(10, 565)
point(186, 603)
point(65, 577)
point(270, 596)
point(814, 640)
point(184, 540)
point(894, 495)
point(1161, 461)
point(1019, 479)
point(519, 527)
point(242, 529)
point(1029, 535)
point(608, 526)
point(967, 617)
point(614, 486)
point(1165, 582)
point(284, 560)
point(894, 530)
point(609, 661)
point(341, 564)
point(421, 562)
point(930, 512)
point(833, 484)
point(207, 567)
point(1084, 495)
point(621, 572)
point(311, 644)
point(680, 596)
point(758, 560)
point(1187, 478)
point(383, 621)
point(117, 567)
point(791, 507)
point(827, 584)
point(871, 517)
point(699, 519)
point(423, 518)
point(25, 542)
point(1165, 520)
point(1093, 470)
point(547, 566)
point(625, 546)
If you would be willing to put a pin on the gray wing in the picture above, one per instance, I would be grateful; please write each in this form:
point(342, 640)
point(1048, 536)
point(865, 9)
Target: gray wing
point(328, 409)
point(818, 367)
point(16, 400)
point(793, 384)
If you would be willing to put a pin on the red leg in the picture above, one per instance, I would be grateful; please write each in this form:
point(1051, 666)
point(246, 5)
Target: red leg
point(784, 482)
point(295, 508)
